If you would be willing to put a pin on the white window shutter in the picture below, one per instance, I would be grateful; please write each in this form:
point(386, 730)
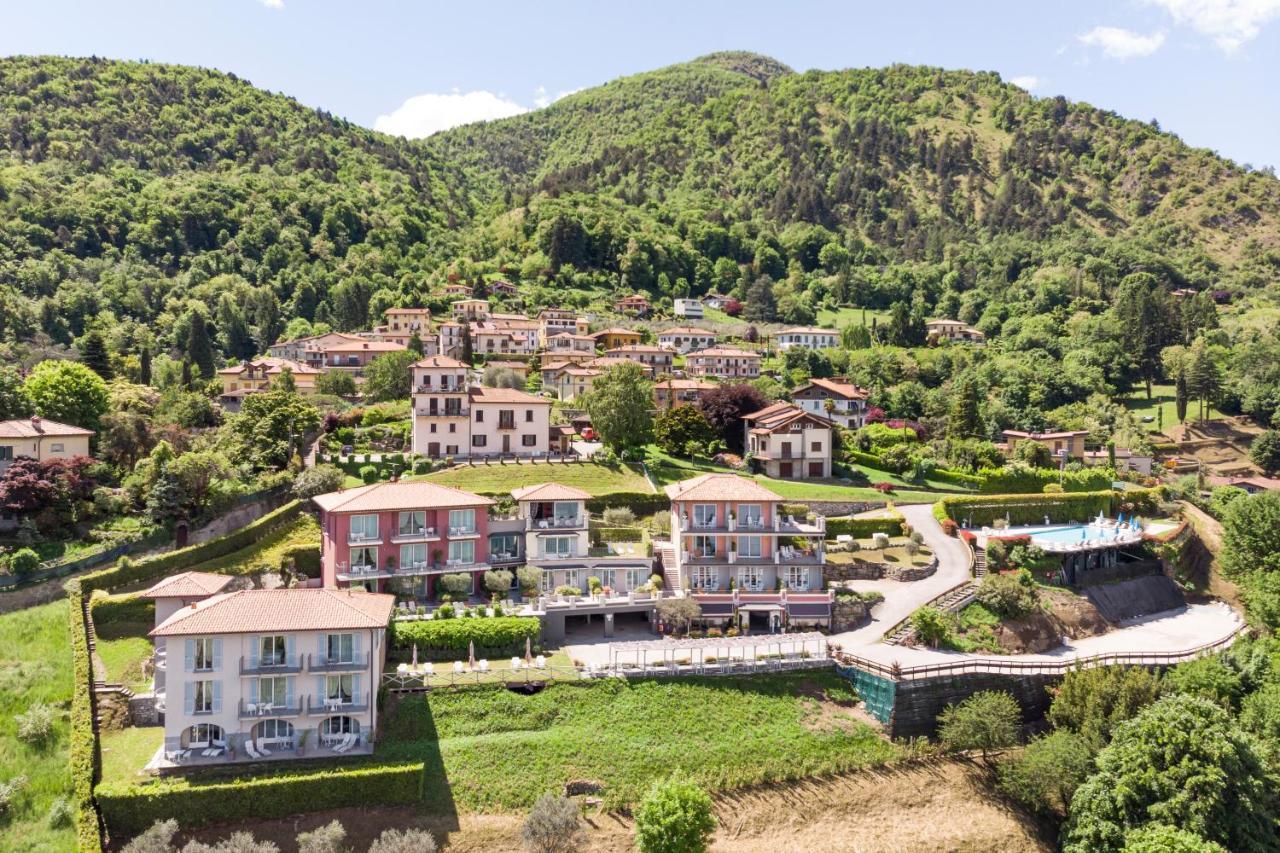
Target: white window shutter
point(320, 691)
point(253, 690)
point(189, 662)
point(255, 651)
point(189, 697)
point(355, 688)
point(288, 692)
point(355, 644)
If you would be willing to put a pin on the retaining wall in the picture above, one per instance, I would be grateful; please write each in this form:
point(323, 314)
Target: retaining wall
point(918, 702)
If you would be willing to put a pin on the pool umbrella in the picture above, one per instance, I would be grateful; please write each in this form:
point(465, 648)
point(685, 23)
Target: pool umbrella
point(415, 655)
point(528, 650)
point(471, 655)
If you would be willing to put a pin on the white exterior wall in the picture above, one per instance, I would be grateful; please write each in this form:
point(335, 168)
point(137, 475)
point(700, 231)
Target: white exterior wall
point(808, 340)
point(850, 414)
point(529, 420)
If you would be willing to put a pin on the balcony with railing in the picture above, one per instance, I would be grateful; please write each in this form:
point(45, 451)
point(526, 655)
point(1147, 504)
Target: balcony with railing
point(446, 412)
point(324, 663)
point(573, 522)
point(269, 710)
point(405, 535)
point(363, 571)
point(463, 532)
point(505, 558)
point(339, 706)
point(361, 537)
point(785, 555)
point(271, 665)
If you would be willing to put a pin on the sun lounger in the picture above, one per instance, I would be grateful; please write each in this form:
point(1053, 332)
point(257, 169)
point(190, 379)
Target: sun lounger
point(248, 748)
point(264, 750)
point(428, 669)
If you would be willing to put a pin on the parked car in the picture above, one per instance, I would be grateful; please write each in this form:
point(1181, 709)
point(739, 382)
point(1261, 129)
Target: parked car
point(347, 450)
point(588, 434)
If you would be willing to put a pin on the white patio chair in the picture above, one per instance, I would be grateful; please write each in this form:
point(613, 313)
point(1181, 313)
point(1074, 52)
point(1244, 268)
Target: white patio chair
point(540, 662)
point(484, 665)
point(248, 748)
point(251, 707)
point(428, 668)
point(457, 667)
point(263, 749)
point(515, 663)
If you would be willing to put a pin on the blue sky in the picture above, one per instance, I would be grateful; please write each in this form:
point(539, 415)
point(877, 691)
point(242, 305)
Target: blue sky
point(1208, 70)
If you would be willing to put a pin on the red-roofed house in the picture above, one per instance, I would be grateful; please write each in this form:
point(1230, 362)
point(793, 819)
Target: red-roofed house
point(848, 402)
point(787, 443)
point(41, 439)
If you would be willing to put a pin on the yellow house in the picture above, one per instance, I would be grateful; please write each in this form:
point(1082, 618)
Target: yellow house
point(1069, 442)
point(254, 377)
point(39, 439)
point(613, 338)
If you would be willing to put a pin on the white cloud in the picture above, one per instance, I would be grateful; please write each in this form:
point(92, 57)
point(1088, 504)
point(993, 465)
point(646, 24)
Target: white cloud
point(1230, 23)
point(423, 115)
point(1119, 43)
point(542, 98)
point(1026, 81)
point(273, 4)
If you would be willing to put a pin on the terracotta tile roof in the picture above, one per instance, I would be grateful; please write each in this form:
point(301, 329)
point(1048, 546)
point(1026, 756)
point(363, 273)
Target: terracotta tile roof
point(273, 364)
point(439, 361)
point(569, 336)
point(808, 330)
point(35, 427)
point(685, 385)
point(773, 418)
point(549, 492)
point(189, 585)
point(724, 352)
point(506, 395)
point(720, 487)
point(616, 330)
point(687, 330)
point(249, 611)
point(404, 494)
point(639, 348)
point(1036, 436)
point(847, 390)
point(366, 346)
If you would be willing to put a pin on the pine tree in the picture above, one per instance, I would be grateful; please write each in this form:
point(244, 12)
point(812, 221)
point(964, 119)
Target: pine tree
point(164, 504)
point(1204, 377)
point(1180, 396)
point(199, 346)
point(467, 354)
point(761, 306)
point(93, 352)
point(415, 344)
point(144, 365)
point(964, 419)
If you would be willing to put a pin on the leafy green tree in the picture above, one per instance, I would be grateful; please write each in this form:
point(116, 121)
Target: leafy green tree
point(1223, 497)
point(931, 626)
point(165, 502)
point(390, 376)
point(761, 306)
point(675, 816)
point(1251, 535)
point(1092, 702)
point(1162, 838)
point(1181, 762)
point(14, 402)
point(318, 480)
point(336, 383)
point(964, 418)
point(270, 426)
point(415, 344)
point(94, 355)
point(620, 404)
point(1045, 775)
point(725, 406)
point(199, 345)
point(68, 392)
point(1208, 678)
point(987, 721)
point(24, 561)
point(676, 430)
point(1265, 451)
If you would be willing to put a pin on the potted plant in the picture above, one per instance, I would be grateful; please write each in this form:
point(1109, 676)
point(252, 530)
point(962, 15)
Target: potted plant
point(302, 742)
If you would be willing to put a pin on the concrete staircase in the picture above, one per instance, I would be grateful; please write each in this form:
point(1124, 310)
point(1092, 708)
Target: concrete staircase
point(949, 602)
point(979, 562)
point(666, 554)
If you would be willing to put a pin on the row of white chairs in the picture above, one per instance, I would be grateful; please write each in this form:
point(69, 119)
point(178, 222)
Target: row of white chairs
point(347, 743)
point(259, 752)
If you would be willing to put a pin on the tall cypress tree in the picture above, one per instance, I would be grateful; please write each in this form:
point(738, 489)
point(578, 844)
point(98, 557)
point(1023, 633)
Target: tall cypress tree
point(200, 346)
point(93, 352)
point(144, 364)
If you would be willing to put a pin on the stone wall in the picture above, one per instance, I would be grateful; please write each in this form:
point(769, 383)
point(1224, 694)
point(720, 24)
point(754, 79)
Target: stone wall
point(143, 710)
point(918, 702)
point(863, 570)
point(848, 614)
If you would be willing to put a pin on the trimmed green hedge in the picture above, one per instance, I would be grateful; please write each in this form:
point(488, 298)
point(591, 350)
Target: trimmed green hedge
point(641, 503)
point(863, 528)
point(499, 635)
point(1019, 479)
point(85, 766)
point(956, 478)
point(600, 535)
point(122, 608)
point(162, 564)
point(306, 559)
point(1026, 509)
point(128, 809)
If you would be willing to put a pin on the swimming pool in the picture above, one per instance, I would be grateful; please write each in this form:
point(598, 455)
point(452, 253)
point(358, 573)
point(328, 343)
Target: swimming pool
point(1072, 533)
point(1072, 537)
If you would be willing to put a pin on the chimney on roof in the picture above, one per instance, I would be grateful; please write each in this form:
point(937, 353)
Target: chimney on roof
point(35, 423)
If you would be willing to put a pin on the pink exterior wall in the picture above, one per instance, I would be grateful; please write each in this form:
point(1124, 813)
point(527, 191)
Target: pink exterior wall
point(334, 548)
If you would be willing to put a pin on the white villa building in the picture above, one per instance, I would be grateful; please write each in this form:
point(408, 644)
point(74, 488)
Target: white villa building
point(690, 309)
point(847, 402)
point(256, 674)
point(451, 417)
point(684, 339)
point(808, 337)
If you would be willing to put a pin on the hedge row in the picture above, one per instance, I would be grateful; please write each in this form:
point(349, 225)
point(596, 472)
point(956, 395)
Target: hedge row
point(641, 503)
point(162, 564)
point(129, 809)
point(600, 535)
point(501, 633)
point(956, 478)
point(306, 559)
point(1026, 509)
point(84, 745)
point(863, 528)
point(1020, 479)
point(121, 608)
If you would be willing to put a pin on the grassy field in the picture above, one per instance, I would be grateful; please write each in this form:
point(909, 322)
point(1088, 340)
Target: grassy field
point(266, 553)
point(499, 750)
point(126, 751)
point(669, 469)
point(1162, 397)
point(500, 479)
point(35, 666)
point(847, 316)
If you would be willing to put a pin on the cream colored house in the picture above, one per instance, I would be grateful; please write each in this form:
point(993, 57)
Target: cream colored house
point(258, 674)
point(40, 439)
point(788, 443)
point(952, 330)
point(453, 418)
point(685, 339)
point(807, 337)
point(572, 382)
point(723, 363)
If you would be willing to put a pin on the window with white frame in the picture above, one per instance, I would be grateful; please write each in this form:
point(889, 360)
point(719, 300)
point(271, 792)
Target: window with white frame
point(704, 515)
point(364, 528)
point(636, 578)
point(573, 578)
point(202, 703)
point(273, 730)
point(555, 547)
point(605, 576)
point(272, 651)
point(339, 688)
point(203, 734)
point(203, 659)
point(333, 726)
point(750, 515)
point(749, 546)
point(413, 523)
point(413, 556)
point(462, 521)
point(797, 577)
point(751, 578)
point(364, 557)
point(462, 553)
point(566, 512)
point(704, 546)
point(273, 691)
point(340, 648)
point(548, 580)
point(704, 577)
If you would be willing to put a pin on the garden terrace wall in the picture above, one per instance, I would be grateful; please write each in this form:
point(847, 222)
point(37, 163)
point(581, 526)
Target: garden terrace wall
point(447, 639)
point(864, 528)
point(982, 510)
point(128, 809)
point(163, 564)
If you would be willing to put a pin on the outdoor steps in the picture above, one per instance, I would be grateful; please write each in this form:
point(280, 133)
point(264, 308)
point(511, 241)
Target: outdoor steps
point(949, 601)
point(979, 562)
point(666, 554)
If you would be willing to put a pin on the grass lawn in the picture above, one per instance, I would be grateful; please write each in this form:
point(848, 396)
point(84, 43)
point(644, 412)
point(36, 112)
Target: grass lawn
point(1162, 397)
point(267, 552)
point(895, 553)
point(501, 479)
point(669, 469)
point(500, 750)
point(123, 659)
point(126, 751)
point(974, 631)
point(847, 316)
point(35, 666)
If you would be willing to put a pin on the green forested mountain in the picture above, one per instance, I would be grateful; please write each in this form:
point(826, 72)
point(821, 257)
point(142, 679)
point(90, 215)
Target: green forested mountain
point(135, 195)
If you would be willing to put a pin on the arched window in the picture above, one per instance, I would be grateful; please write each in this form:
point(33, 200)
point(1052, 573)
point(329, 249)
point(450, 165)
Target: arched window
point(336, 727)
point(273, 731)
point(203, 735)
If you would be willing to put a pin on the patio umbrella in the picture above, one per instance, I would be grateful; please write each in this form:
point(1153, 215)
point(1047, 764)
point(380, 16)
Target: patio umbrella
point(471, 655)
point(528, 650)
point(415, 655)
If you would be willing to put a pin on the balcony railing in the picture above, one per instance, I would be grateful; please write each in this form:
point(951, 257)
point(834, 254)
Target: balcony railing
point(502, 558)
point(284, 664)
point(363, 571)
point(557, 523)
point(323, 663)
point(325, 705)
point(268, 710)
point(420, 534)
point(456, 532)
point(354, 538)
point(428, 412)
